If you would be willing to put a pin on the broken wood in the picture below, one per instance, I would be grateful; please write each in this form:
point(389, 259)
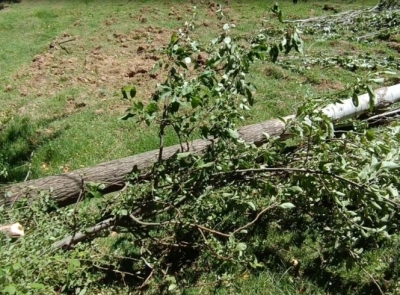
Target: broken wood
point(70, 241)
point(66, 188)
point(15, 230)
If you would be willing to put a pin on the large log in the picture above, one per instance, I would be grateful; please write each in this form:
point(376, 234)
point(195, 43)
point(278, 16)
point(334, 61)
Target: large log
point(66, 188)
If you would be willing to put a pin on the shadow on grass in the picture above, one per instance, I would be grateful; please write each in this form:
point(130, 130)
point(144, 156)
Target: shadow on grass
point(19, 138)
point(326, 275)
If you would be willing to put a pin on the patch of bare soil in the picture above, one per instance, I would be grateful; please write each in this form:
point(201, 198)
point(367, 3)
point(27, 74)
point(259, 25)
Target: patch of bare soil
point(100, 65)
point(394, 46)
point(330, 85)
point(275, 72)
point(344, 46)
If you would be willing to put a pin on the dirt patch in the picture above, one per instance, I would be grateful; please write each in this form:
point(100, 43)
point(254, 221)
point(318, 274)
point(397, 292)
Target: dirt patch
point(394, 46)
point(330, 85)
point(343, 45)
point(101, 65)
point(275, 72)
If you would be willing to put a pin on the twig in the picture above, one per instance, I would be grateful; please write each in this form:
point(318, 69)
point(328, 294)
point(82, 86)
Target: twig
point(210, 230)
point(385, 115)
point(76, 209)
point(151, 273)
point(146, 223)
point(148, 264)
point(175, 222)
point(211, 249)
point(122, 273)
point(83, 235)
point(255, 219)
point(301, 170)
point(373, 279)
point(68, 40)
point(146, 280)
point(62, 42)
point(285, 169)
point(29, 167)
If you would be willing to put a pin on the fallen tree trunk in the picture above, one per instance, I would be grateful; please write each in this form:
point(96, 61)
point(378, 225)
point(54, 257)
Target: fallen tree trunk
point(67, 188)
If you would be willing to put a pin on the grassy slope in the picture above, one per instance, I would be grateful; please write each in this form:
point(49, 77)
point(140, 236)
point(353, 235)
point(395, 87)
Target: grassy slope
point(69, 139)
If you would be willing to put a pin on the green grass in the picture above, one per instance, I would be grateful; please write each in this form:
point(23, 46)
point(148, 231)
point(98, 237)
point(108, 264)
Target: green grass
point(61, 126)
point(87, 135)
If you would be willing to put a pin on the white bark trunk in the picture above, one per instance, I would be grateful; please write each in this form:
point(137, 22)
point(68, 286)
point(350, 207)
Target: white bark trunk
point(347, 109)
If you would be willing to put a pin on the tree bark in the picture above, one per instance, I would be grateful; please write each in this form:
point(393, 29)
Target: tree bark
point(66, 188)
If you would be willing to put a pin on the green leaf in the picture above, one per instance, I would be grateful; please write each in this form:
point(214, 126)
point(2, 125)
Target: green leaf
point(75, 262)
point(128, 89)
point(174, 107)
point(73, 265)
point(355, 99)
point(36, 285)
point(195, 102)
point(124, 92)
point(234, 134)
point(337, 243)
point(241, 247)
point(95, 194)
point(10, 289)
point(133, 92)
point(127, 116)
point(273, 53)
point(375, 205)
point(157, 66)
point(174, 38)
point(95, 185)
point(370, 135)
point(377, 80)
point(187, 90)
point(183, 155)
point(172, 287)
point(389, 165)
point(295, 189)
point(249, 95)
point(287, 206)
point(256, 264)
point(251, 204)
point(205, 165)
point(371, 94)
point(138, 106)
point(151, 108)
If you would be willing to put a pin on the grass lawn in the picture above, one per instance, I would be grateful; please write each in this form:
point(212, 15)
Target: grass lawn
point(63, 63)
point(70, 92)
